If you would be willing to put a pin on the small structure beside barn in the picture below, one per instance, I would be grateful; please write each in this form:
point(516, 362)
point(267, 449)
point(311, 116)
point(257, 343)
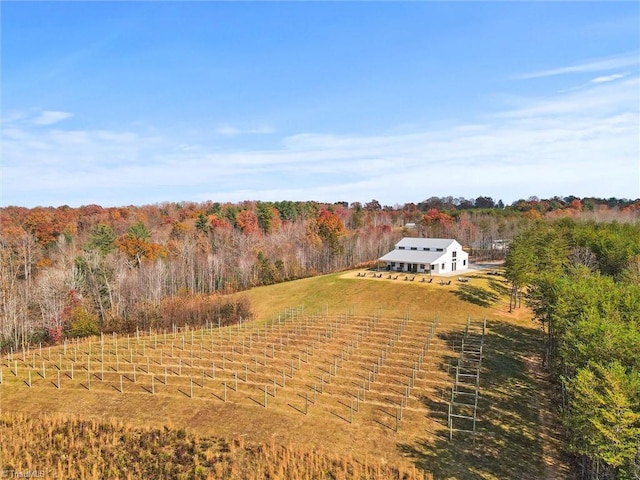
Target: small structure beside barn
point(426, 255)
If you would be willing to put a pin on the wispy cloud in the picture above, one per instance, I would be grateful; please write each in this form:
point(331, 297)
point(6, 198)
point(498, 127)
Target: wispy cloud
point(232, 131)
point(609, 78)
point(581, 142)
point(598, 65)
point(50, 117)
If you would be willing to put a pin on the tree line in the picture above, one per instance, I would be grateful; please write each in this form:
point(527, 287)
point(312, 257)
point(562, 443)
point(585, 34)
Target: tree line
point(582, 282)
point(76, 271)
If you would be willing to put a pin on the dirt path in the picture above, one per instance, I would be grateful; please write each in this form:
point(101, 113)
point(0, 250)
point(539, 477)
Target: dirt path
point(556, 467)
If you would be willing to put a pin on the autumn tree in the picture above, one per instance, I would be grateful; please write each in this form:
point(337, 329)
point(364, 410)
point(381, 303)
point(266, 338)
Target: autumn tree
point(136, 246)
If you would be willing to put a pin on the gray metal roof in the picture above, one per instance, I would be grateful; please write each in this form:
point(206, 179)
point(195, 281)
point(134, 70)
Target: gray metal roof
point(412, 256)
point(425, 242)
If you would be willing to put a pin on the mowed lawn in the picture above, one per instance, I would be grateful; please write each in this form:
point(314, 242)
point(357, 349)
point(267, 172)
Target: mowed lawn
point(514, 436)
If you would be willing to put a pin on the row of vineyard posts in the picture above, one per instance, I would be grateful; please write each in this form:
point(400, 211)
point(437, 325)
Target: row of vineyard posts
point(347, 366)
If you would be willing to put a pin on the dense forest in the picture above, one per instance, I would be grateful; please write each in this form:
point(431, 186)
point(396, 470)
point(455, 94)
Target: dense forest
point(582, 282)
point(77, 271)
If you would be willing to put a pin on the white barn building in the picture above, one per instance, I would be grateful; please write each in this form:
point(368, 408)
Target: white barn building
point(426, 255)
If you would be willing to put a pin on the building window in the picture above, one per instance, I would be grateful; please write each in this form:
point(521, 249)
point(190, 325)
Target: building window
point(393, 264)
point(439, 249)
point(414, 248)
point(454, 254)
point(442, 268)
point(400, 248)
point(422, 266)
point(464, 263)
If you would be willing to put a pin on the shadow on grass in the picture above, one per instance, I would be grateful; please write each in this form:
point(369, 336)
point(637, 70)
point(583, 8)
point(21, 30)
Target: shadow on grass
point(508, 442)
point(499, 286)
point(476, 295)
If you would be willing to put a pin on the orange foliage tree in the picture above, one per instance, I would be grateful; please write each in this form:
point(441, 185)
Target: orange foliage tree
point(247, 221)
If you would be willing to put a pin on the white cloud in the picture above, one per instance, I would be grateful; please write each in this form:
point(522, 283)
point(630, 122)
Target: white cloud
point(581, 142)
point(598, 65)
point(49, 117)
point(231, 131)
point(609, 78)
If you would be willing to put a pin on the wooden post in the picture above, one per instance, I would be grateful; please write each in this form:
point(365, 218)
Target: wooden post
point(29, 379)
point(351, 411)
point(225, 391)
point(58, 379)
point(396, 419)
point(44, 370)
point(88, 379)
point(120, 383)
point(153, 384)
point(134, 374)
point(71, 371)
point(265, 396)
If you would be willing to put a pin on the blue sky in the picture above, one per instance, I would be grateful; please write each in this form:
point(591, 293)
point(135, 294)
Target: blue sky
point(120, 103)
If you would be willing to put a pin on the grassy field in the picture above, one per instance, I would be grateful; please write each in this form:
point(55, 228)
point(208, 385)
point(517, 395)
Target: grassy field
point(356, 367)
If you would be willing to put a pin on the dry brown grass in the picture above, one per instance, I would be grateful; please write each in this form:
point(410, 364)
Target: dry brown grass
point(56, 446)
point(370, 439)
